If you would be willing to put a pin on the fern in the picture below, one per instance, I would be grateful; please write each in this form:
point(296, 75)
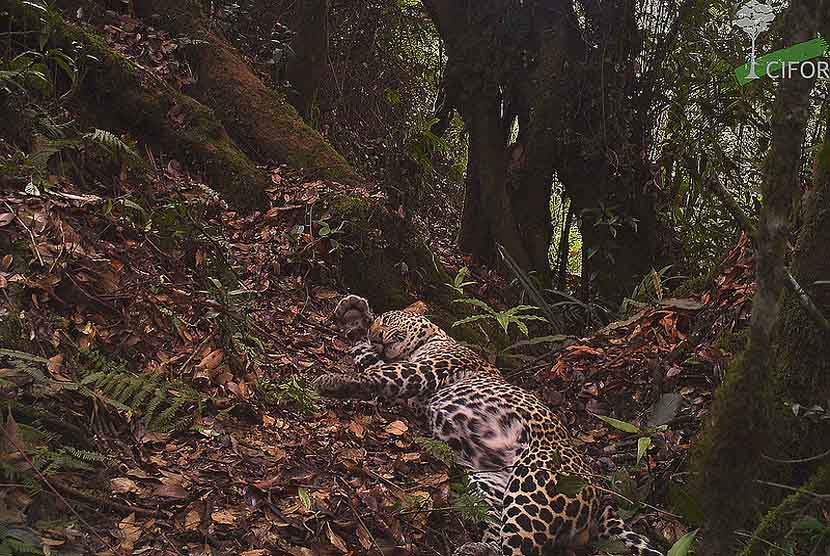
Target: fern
point(18, 542)
point(111, 382)
point(128, 392)
point(469, 503)
point(437, 449)
point(111, 143)
point(294, 391)
point(515, 315)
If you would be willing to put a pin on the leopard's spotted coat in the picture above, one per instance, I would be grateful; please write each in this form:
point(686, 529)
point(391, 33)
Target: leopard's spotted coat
point(541, 491)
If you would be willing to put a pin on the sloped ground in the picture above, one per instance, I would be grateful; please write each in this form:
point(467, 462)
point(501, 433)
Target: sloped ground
point(164, 278)
point(148, 274)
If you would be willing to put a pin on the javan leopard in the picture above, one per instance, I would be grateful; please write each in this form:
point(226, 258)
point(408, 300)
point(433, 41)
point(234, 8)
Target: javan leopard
point(540, 490)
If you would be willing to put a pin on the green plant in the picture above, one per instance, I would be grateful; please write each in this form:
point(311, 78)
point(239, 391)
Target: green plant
point(36, 69)
point(530, 287)
point(651, 289)
point(517, 315)
point(437, 449)
point(814, 532)
point(163, 404)
point(664, 411)
point(468, 503)
point(16, 541)
point(459, 282)
point(32, 453)
point(294, 391)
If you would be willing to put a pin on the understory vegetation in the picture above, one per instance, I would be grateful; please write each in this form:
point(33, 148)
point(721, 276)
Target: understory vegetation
point(583, 192)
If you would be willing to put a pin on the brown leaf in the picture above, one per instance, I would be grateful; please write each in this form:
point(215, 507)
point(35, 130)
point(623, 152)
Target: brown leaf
point(324, 293)
point(5, 218)
point(364, 538)
point(212, 359)
point(193, 519)
point(123, 485)
point(223, 517)
point(129, 532)
point(357, 428)
point(397, 428)
point(171, 491)
point(10, 443)
point(335, 539)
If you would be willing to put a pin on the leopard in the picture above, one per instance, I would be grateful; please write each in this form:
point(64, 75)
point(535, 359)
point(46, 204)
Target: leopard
point(542, 494)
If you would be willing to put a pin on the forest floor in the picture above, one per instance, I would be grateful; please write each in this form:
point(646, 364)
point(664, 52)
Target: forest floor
point(225, 449)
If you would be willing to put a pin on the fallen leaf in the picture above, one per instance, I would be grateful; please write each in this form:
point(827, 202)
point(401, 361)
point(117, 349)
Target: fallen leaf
point(193, 519)
point(336, 539)
point(129, 532)
point(123, 485)
point(223, 517)
point(212, 359)
point(357, 428)
point(397, 428)
point(171, 491)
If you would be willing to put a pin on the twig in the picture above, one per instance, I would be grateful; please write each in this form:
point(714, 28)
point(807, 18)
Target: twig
point(360, 519)
point(807, 302)
point(801, 460)
point(195, 351)
point(31, 235)
point(756, 538)
point(794, 489)
point(745, 222)
point(100, 500)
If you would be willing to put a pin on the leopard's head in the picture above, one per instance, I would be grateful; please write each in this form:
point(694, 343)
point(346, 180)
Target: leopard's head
point(397, 334)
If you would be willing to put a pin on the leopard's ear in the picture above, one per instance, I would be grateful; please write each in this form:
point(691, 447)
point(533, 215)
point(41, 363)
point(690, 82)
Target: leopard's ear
point(417, 308)
point(353, 313)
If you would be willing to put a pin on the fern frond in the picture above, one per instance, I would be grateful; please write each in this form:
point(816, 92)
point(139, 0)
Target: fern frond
point(111, 143)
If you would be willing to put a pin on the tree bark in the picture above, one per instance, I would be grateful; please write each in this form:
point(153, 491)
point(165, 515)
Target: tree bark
point(306, 69)
point(730, 453)
point(577, 118)
point(258, 119)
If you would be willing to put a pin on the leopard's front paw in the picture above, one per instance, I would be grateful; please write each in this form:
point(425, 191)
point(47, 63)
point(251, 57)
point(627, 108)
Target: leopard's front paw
point(339, 386)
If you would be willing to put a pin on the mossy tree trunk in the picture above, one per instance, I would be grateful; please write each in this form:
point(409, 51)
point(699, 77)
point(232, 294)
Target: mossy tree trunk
point(259, 119)
point(729, 457)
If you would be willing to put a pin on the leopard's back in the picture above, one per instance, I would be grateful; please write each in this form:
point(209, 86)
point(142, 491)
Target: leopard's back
point(541, 490)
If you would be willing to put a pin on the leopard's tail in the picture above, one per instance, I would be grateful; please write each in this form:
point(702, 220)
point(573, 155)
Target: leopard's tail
point(353, 312)
point(612, 527)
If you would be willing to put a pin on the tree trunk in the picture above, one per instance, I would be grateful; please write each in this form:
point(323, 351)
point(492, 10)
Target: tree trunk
point(729, 456)
point(306, 69)
point(488, 216)
point(259, 120)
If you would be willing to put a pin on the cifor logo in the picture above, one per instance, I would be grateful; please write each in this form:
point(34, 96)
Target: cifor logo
point(755, 17)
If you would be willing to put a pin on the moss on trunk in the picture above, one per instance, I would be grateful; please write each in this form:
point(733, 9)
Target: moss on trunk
point(777, 524)
point(801, 373)
point(117, 91)
point(260, 120)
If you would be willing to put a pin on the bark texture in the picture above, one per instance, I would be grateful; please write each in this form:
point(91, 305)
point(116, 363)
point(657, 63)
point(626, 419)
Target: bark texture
point(306, 69)
point(569, 84)
point(729, 456)
point(260, 120)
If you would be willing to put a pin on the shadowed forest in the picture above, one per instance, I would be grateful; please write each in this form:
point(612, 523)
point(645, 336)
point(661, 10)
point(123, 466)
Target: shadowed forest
point(618, 211)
